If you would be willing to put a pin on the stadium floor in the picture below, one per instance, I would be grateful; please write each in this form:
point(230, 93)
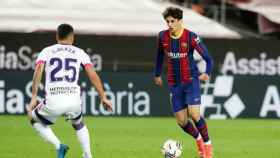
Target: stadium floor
point(118, 137)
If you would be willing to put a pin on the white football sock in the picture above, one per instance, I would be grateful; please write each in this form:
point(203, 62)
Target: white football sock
point(83, 137)
point(208, 142)
point(46, 133)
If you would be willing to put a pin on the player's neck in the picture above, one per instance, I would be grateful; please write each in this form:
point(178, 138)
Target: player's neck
point(64, 42)
point(177, 34)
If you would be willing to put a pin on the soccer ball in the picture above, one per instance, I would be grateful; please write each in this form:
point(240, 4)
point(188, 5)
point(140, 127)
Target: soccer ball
point(171, 149)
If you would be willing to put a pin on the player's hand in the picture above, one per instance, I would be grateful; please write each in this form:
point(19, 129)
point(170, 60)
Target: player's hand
point(107, 104)
point(158, 81)
point(204, 77)
point(31, 106)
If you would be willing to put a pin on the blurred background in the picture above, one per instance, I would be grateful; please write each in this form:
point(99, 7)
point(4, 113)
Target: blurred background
point(120, 37)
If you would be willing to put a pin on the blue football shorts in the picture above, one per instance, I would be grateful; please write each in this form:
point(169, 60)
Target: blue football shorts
point(183, 95)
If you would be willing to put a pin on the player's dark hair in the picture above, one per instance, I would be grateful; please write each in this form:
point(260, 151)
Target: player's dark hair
point(176, 13)
point(63, 30)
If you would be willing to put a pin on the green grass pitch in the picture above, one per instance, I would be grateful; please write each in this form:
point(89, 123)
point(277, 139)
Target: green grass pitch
point(119, 137)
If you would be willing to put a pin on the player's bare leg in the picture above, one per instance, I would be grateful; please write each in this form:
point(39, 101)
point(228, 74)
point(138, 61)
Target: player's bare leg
point(188, 127)
point(194, 112)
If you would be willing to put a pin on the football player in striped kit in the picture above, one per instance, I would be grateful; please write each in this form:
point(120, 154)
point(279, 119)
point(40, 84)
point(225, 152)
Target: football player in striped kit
point(177, 44)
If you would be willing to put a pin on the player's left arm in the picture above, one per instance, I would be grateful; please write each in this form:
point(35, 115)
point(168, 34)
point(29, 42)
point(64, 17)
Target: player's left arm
point(96, 81)
point(203, 51)
point(37, 77)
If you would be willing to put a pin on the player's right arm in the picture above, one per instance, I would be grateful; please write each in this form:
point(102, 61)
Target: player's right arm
point(159, 62)
point(37, 76)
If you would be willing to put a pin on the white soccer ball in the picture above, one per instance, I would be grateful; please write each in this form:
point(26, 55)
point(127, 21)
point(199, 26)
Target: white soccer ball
point(171, 149)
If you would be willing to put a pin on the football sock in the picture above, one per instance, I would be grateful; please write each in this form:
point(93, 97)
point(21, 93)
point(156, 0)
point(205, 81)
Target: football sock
point(202, 128)
point(83, 137)
point(46, 133)
point(190, 129)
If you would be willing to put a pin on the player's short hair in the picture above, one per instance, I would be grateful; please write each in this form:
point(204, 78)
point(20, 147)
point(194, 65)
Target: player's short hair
point(63, 30)
point(176, 13)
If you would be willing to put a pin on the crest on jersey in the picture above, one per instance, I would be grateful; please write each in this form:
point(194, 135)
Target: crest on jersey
point(184, 45)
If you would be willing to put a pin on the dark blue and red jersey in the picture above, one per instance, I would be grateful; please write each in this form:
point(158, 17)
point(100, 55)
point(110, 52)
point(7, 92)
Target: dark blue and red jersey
point(181, 66)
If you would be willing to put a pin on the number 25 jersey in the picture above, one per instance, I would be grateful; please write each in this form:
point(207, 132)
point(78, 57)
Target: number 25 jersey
point(62, 67)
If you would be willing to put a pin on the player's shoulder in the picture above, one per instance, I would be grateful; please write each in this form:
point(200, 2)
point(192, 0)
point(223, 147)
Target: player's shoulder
point(162, 32)
point(48, 48)
point(192, 33)
point(77, 49)
point(80, 53)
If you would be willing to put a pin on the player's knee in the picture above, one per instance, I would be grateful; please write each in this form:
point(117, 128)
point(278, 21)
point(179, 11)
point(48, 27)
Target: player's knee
point(181, 122)
point(78, 126)
point(195, 116)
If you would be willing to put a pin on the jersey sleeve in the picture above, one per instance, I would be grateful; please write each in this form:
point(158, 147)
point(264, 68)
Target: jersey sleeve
point(42, 57)
point(85, 60)
point(200, 47)
point(159, 56)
